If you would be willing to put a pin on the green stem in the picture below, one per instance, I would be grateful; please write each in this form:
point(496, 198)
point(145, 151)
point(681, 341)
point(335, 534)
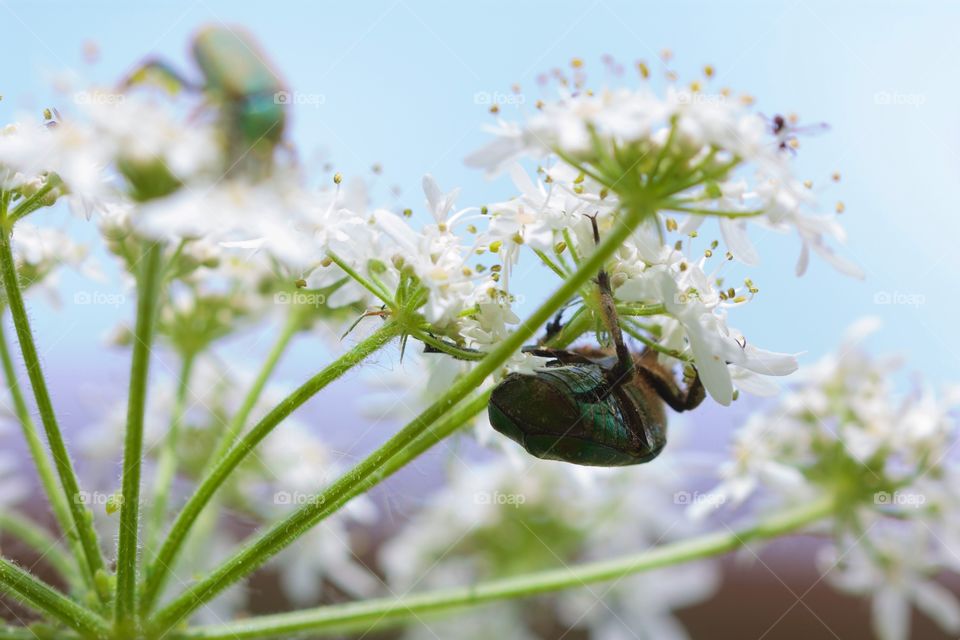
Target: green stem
point(367, 614)
point(160, 568)
point(148, 298)
point(578, 324)
point(48, 478)
point(383, 295)
point(37, 538)
point(460, 415)
point(630, 328)
point(31, 204)
point(167, 462)
point(18, 633)
point(82, 517)
point(641, 309)
point(239, 420)
point(445, 347)
point(550, 264)
point(45, 599)
point(285, 532)
point(718, 213)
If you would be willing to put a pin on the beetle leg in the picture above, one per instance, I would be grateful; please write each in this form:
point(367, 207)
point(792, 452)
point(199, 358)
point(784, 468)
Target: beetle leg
point(560, 355)
point(554, 327)
point(663, 382)
point(623, 371)
point(158, 72)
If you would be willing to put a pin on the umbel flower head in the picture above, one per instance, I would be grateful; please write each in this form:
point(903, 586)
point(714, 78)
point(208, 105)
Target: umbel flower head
point(884, 456)
point(683, 156)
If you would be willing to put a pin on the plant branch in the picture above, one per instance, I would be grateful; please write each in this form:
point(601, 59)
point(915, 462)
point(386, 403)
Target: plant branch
point(160, 568)
point(82, 517)
point(149, 286)
point(167, 462)
point(367, 614)
point(45, 599)
point(48, 479)
point(235, 427)
point(38, 539)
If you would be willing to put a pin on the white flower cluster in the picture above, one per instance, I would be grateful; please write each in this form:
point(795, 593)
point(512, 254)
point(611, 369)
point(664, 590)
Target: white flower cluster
point(166, 176)
point(40, 252)
point(676, 133)
point(887, 457)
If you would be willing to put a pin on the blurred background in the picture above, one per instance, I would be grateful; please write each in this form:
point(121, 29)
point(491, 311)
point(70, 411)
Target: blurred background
point(407, 85)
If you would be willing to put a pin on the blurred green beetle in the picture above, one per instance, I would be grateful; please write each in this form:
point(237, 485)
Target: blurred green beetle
point(590, 407)
point(249, 95)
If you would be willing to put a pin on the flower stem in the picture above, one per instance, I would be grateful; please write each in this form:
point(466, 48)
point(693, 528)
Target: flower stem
point(148, 297)
point(48, 479)
point(456, 418)
point(159, 569)
point(167, 462)
point(18, 633)
point(239, 420)
point(82, 517)
point(44, 598)
point(286, 531)
point(365, 615)
point(383, 295)
point(579, 324)
point(37, 538)
point(34, 202)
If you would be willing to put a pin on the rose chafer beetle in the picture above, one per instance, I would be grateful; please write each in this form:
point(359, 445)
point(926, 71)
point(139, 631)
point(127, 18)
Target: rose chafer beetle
point(249, 95)
point(590, 407)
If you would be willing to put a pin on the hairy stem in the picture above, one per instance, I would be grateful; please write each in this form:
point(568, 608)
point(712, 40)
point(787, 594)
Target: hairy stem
point(37, 538)
point(45, 599)
point(160, 568)
point(239, 420)
point(82, 517)
point(368, 614)
point(285, 532)
point(48, 478)
point(148, 297)
point(167, 461)
point(18, 633)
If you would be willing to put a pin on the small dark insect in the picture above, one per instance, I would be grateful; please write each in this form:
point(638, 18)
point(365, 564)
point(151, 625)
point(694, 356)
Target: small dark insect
point(591, 407)
point(786, 128)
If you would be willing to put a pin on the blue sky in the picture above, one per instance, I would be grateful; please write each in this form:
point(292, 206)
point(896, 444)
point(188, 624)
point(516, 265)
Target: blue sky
point(398, 80)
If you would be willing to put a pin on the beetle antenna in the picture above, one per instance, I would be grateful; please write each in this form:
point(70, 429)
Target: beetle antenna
point(608, 307)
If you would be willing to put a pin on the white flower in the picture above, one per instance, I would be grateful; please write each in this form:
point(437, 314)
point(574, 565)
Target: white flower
point(141, 131)
point(536, 213)
point(592, 130)
point(233, 213)
point(437, 259)
point(895, 569)
point(29, 151)
point(696, 321)
point(40, 252)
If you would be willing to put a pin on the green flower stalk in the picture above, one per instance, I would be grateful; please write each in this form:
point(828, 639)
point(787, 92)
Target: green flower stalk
point(148, 297)
point(82, 518)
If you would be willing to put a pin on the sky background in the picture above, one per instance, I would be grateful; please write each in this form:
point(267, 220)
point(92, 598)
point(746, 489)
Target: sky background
point(398, 82)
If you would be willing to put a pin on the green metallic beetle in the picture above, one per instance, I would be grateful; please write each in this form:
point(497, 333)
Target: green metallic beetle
point(591, 407)
point(246, 90)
